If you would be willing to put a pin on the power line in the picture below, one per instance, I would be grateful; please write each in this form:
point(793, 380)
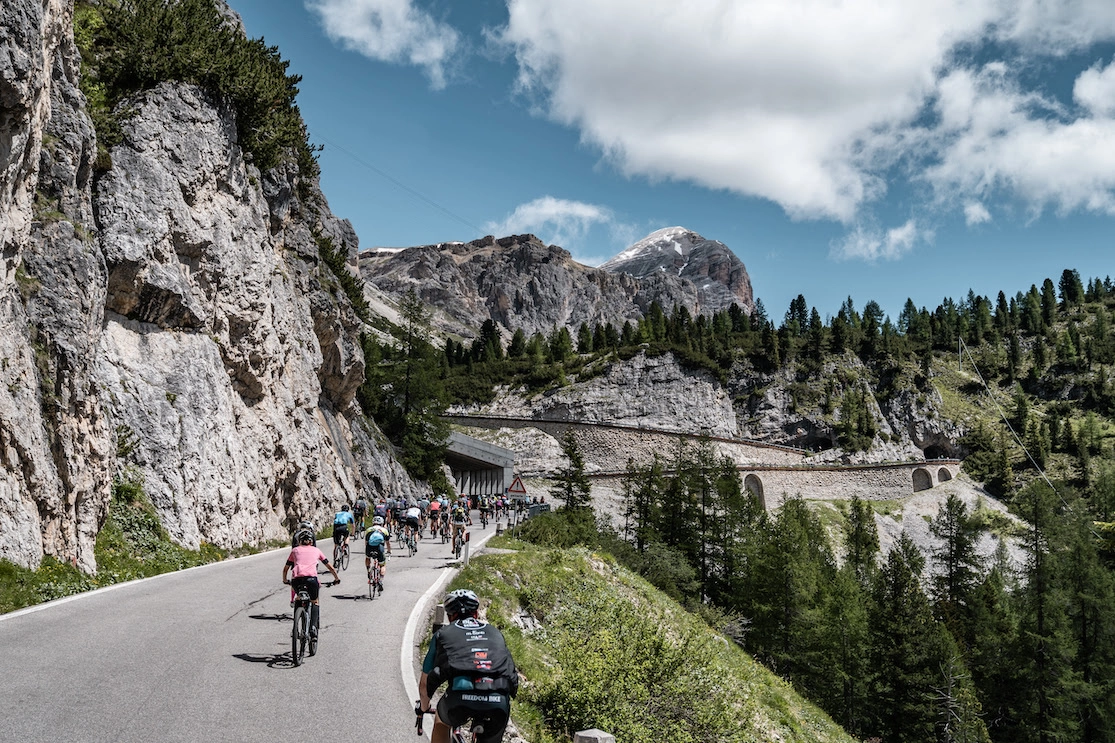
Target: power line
point(416, 194)
point(963, 347)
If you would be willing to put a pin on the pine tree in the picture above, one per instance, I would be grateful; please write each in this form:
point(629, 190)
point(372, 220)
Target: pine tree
point(861, 539)
point(908, 648)
point(572, 486)
point(958, 563)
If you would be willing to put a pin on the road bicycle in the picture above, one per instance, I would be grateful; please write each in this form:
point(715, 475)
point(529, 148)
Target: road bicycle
point(483, 519)
point(458, 543)
point(457, 734)
point(303, 636)
point(444, 530)
point(411, 541)
point(341, 555)
point(375, 579)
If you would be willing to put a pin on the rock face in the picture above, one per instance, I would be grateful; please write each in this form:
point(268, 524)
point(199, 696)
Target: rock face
point(519, 283)
point(170, 319)
point(646, 392)
point(718, 275)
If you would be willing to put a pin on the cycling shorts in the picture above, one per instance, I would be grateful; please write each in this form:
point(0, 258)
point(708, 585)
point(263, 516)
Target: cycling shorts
point(412, 522)
point(378, 552)
point(310, 583)
point(490, 709)
point(339, 533)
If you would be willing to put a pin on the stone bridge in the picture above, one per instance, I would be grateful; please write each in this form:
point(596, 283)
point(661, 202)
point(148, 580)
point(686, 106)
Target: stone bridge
point(770, 472)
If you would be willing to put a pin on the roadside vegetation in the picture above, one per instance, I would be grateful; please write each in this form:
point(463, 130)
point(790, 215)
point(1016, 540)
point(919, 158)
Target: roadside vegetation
point(132, 544)
point(601, 648)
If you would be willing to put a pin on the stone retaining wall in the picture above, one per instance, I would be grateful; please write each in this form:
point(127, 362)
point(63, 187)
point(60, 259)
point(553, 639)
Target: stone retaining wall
point(771, 473)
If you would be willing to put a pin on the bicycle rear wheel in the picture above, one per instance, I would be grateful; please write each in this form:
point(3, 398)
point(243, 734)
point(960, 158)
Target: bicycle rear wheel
point(298, 635)
point(346, 554)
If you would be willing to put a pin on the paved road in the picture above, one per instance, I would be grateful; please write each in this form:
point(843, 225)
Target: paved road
point(204, 655)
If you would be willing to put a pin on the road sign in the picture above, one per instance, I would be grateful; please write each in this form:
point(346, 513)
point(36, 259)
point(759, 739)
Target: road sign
point(517, 487)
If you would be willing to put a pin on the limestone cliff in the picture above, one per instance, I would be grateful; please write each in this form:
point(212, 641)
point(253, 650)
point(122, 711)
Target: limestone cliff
point(171, 315)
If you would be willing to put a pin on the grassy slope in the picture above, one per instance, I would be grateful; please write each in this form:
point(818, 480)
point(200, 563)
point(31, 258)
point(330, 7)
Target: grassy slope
point(601, 648)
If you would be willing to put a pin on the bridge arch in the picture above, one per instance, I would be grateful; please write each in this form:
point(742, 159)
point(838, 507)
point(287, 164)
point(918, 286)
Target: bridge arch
point(753, 485)
point(922, 479)
point(943, 475)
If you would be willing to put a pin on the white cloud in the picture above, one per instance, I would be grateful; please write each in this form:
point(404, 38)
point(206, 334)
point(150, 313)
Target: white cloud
point(568, 224)
point(976, 213)
point(871, 244)
point(390, 31)
point(820, 105)
point(557, 221)
point(1095, 90)
point(998, 139)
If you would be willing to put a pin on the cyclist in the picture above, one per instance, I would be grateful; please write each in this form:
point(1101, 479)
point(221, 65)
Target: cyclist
point(473, 658)
point(458, 519)
point(303, 560)
point(413, 521)
point(380, 509)
point(359, 508)
point(435, 516)
point(398, 513)
point(303, 526)
point(485, 509)
point(378, 545)
point(342, 523)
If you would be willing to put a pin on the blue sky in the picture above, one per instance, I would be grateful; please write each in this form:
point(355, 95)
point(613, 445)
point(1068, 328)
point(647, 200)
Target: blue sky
point(878, 149)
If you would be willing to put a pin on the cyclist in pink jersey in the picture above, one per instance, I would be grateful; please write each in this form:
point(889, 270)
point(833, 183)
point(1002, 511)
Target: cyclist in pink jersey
point(301, 564)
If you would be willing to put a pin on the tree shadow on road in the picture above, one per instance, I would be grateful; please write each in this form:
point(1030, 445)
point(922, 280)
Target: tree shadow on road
point(272, 661)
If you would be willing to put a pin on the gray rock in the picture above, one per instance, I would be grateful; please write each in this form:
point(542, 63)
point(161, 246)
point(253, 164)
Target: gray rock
point(518, 283)
point(719, 276)
point(172, 323)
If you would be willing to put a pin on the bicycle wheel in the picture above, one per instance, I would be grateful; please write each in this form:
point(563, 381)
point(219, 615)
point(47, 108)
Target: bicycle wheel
point(312, 634)
point(298, 635)
point(346, 554)
point(457, 546)
point(372, 582)
point(336, 554)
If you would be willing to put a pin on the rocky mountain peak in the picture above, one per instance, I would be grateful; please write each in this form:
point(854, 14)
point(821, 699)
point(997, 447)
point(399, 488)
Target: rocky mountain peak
point(718, 274)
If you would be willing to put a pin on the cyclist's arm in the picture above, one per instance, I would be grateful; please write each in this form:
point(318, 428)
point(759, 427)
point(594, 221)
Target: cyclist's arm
point(286, 570)
point(333, 570)
point(427, 668)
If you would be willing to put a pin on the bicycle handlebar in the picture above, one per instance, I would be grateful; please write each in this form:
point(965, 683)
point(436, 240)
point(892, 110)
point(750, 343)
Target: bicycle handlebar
point(420, 713)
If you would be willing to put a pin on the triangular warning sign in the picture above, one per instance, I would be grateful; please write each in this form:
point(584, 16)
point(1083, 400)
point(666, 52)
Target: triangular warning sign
point(517, 487)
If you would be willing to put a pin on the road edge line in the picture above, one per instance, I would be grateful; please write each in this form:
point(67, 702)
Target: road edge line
point(421, 608)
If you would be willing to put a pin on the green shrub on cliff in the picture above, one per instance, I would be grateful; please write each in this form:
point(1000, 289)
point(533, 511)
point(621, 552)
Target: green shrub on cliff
point(132, 45)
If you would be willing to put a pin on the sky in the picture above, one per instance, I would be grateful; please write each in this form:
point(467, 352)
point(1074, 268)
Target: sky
point(874, 149)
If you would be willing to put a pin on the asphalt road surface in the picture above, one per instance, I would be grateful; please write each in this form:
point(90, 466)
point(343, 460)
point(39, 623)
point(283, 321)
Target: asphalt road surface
point(204, 655)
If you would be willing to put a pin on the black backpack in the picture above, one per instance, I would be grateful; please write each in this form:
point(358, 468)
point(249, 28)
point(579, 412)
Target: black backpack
point(476, 651)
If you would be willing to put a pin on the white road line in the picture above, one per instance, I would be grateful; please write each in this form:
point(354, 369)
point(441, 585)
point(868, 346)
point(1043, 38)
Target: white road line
point(114, 586)
point(421, 607)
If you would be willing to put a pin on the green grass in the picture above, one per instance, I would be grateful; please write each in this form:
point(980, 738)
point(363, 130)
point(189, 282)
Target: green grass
point(131, 544)
point(605, 649)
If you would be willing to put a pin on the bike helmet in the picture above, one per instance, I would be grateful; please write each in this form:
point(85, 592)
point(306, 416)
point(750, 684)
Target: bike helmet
point(461, 601)
point(304, 535)
point(377, 521)
point(345, 507)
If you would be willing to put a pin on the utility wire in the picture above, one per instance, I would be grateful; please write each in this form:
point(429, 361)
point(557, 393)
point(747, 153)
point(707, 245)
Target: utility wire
point(416, 194)
point(965, 349)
